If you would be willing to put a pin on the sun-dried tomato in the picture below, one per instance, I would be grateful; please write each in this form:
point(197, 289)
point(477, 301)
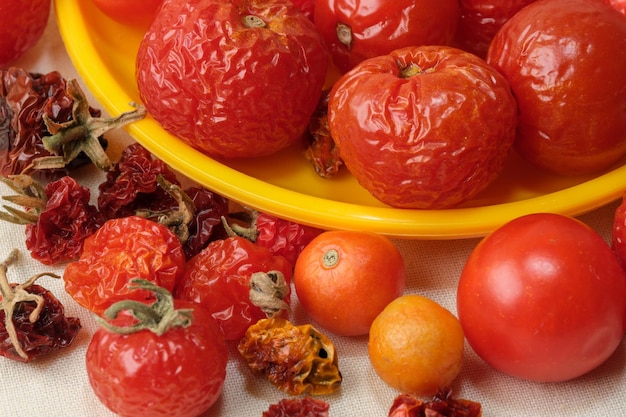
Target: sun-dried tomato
point(206, 225)
point(301, 407)
point(441, 405)
point(280, 236)
point(32, 320)
point(295, 359)
point(132, 184)
point(58, 219)
point(46, 124)
point(322, 151)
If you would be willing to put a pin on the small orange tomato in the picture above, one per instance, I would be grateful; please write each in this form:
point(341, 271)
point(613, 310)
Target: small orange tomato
point(344, 279)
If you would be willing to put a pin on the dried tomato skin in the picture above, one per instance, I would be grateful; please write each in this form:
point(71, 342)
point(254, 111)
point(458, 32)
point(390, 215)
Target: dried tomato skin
point(218, 278)
point(132, 184)
point(24, 99)
point(123, 249)
point(283, 237)
point(64, 224)
point(206, 225)
point(441, 405)
point(302, 407)
point(52, 330)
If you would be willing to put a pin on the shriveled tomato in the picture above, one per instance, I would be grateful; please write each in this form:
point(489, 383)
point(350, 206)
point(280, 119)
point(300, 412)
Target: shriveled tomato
point(423, 127)
point(166, 360)
point(481, 19)
point(306, 6)
point(343, 279)
point(543, 298)
point(566, 60)
point(237, 78)
point(238, 282)
point(618, 236)
point(22, 26)
point(355, 31)
point(121, 250)
point(137, 12)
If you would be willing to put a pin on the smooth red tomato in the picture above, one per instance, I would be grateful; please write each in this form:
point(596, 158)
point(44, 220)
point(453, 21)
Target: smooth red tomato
point(238, 78)
point(219, 279)
point(355, 31)
point(543, 298)
point(618, 236)
point(179, 373)
point(130, 12)
point(423, 127)
point(22, 26)
point(481, 19)
point(344, 279)
point(566, 60)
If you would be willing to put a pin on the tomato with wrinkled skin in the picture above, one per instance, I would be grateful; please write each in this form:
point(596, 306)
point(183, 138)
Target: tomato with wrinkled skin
point(136, 12)
point(306, 6)
point(355, 31)
point(423, 127)
point(543, 298)
point(121, 250)
point(618, 235)
point(566, 60)
point(237, 78)
point(177, 374)
point(23, 25)
point(219, 277)
point(480, 20)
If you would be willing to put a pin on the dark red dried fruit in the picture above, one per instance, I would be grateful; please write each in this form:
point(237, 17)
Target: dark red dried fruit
point(442, 405)
point(301, 407)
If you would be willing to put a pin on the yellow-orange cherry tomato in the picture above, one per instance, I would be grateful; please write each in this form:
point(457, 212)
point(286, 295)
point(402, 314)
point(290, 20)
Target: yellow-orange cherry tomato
point(344, 279)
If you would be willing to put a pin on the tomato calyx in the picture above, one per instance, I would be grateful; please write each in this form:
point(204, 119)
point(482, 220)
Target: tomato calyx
point(344, 35)
point(411, 69)
point(252, 22)
point(268, 291)
point(12, 295)
point(30, 194)
point(330, 259)
point(80, 134)
point(158, 317)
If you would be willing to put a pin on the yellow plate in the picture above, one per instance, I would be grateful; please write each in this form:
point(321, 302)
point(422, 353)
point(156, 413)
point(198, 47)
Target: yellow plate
point(285, 185)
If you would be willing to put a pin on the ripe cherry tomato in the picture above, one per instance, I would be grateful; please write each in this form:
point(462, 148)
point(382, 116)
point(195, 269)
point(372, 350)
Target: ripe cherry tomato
point(618, 237)
point(343, 279)
point(22, 26)
point(219, 279)
point(423, 127)
point(480, 21)
point(123, 249)
point(245, 85)
point(543, 298)
point(173, 364)
point(566, 60)
point(358, 30)
point(137, 12)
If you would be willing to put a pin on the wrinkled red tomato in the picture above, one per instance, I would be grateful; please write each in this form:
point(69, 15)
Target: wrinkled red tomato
point(238, 78)
point(481, 19)
point(358, 30)
point(423, 127)
point(566, 60)
point(139, 13)
point(22, 26)
point(543, 298)
point(618, 236)
point(619, 5)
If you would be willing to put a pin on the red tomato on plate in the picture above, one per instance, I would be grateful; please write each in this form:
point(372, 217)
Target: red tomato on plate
point(566, 60)
point(23, 24)
point(130, 12)
point(543, 298)
point(423, 127)
point(232, 78)
point(355, 31)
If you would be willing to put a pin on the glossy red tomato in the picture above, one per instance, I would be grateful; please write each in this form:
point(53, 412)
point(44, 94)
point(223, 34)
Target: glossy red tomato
point(618, 236)
point(237, 78)
point(136, 12)
point(619, 5)
point(22, 26)
point(219, 279)
point(481, 19)
point(543, 298)
point(179, 373)
point(566, 60)
point(364, 29)
point(423, 127)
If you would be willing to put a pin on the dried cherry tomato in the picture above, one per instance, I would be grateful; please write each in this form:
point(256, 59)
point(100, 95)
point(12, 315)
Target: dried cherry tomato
point(58, 219)
point(32, 320)
point(206, 225)
point(301, 407)
point(441, 405)
point(322, 151)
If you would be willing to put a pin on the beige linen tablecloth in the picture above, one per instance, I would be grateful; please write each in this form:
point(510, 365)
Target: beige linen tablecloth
point(58, 386)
